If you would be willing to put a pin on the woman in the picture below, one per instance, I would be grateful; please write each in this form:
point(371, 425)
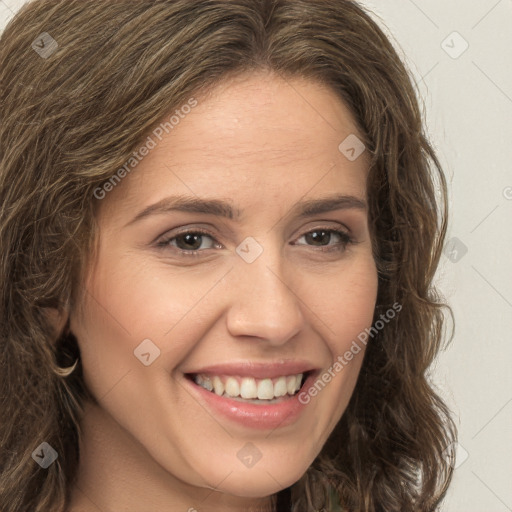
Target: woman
point(219, 232)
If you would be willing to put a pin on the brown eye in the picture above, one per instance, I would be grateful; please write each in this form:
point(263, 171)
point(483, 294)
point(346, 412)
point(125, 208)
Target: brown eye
point(189, 242)
point(318, 237)
point(324, 237)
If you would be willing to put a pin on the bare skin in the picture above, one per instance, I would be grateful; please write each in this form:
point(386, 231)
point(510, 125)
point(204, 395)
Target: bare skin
point(264, 145)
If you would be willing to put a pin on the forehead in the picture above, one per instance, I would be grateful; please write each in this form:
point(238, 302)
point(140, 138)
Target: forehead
point(268, 116)
point(252, 134)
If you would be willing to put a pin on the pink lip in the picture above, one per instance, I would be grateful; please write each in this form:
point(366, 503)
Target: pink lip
point(257, 370)
point(254, 416)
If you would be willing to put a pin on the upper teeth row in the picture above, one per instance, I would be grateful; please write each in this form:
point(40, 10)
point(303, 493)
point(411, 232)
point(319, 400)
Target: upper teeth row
point(250, 388)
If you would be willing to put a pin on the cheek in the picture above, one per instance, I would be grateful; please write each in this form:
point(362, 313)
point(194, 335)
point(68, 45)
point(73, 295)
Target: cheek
point(345, 305)
point(126, 303)
point(345, 302)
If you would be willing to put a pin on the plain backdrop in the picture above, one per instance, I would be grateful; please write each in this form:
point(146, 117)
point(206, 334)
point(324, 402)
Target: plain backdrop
point(460, 56)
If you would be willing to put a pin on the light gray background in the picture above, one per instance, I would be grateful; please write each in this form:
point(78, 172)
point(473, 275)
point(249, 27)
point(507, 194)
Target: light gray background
point(468, 106)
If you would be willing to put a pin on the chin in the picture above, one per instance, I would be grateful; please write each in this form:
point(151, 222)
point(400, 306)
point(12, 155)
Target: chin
point(262, 480)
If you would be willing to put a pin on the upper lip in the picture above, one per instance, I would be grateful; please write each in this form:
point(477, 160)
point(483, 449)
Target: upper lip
point(257, 370)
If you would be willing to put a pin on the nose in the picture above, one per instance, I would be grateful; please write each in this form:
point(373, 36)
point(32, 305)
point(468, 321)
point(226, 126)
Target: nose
point(264, 304)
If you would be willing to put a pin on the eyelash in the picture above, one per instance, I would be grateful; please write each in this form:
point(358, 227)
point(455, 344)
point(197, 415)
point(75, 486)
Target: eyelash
point(345, 241)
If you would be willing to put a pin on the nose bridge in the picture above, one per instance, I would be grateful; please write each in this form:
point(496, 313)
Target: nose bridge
point(263, 303)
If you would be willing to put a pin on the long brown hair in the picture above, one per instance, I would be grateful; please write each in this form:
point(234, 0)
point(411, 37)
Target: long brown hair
point(73, 116)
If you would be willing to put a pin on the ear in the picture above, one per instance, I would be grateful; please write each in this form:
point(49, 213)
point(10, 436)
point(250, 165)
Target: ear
point(59, 320)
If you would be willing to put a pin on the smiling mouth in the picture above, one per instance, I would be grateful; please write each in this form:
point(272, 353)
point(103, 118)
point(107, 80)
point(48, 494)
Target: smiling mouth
point(249, 389)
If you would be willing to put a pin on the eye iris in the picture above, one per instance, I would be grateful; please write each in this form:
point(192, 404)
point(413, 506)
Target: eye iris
point(316, 237)
point(194, 239)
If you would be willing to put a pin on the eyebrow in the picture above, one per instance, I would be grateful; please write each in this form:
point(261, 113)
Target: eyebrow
point(224, 208)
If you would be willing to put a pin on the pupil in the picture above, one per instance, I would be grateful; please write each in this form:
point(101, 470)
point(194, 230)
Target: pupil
point(195, 240)
point(317, 239)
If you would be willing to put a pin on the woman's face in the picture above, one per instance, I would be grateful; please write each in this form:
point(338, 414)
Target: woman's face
point(254, 267)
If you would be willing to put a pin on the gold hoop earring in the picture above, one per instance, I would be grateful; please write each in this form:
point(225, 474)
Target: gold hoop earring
point(67, 371)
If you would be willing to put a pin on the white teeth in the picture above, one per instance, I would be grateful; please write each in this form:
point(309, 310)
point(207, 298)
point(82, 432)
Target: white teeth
point(265, 389)
point(205, 382)
point(299, 380)
point(291, 384)
point(280, 387)
point(248, 388)
point(218, 386)
point(232, 387)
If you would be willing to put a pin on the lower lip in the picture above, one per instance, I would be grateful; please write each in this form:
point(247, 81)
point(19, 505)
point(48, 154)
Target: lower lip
point(255, 416)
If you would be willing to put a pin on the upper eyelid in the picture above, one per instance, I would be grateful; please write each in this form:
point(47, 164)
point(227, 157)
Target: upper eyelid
point(317, 219)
